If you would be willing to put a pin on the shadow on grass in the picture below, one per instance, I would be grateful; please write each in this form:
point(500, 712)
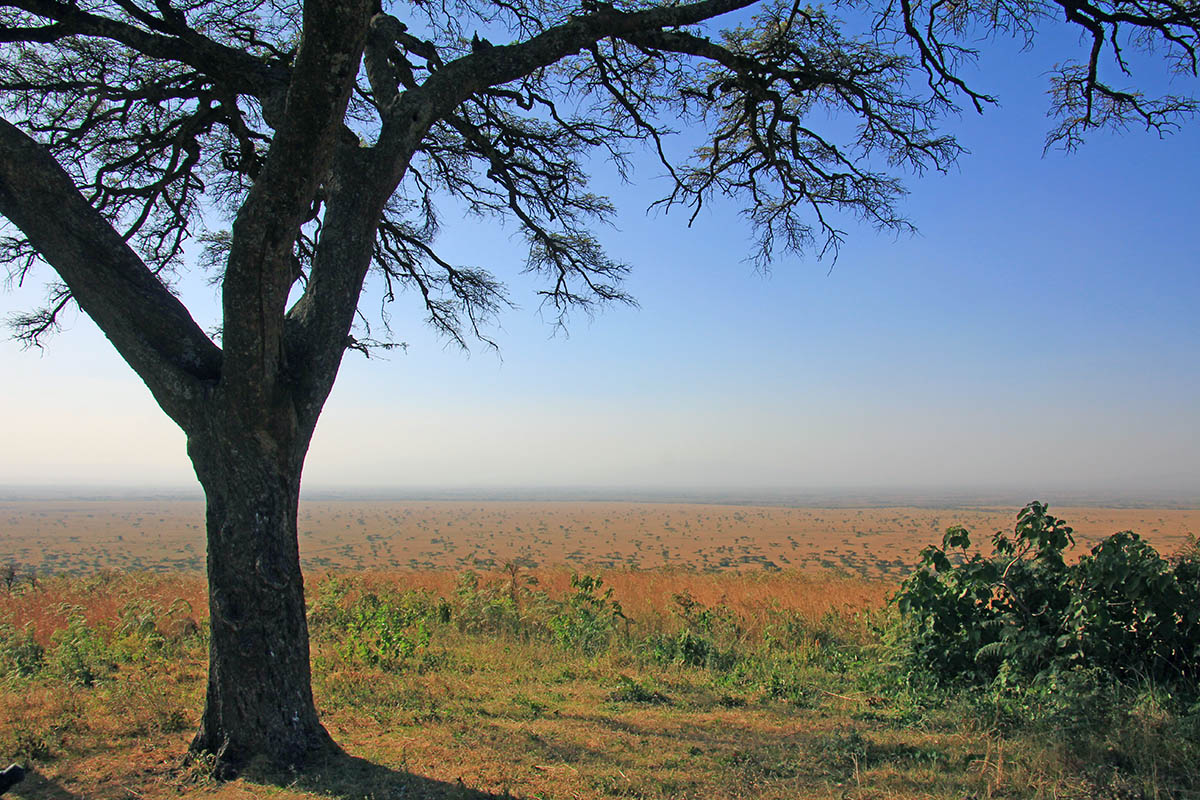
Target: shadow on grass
point(341, 775)
point(38, 787)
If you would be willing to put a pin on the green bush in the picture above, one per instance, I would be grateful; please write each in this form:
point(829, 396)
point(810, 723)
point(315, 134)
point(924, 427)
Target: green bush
point(78, 653)
point(20, 654)
point(384, 630)
point(588, 618)
point(708, 637)
point(686, 648)
point(326, 610)
point(630, 691)
point(1025, 612)
point(484, 609)
point(136, 637)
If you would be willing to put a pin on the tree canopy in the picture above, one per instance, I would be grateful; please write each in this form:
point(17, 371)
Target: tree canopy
point(308, 146)
point(164, 116)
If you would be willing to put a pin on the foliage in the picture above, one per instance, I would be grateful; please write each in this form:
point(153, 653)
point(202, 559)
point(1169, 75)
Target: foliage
point(1024, 611)
point(707, 639)
point(630, 690)
point(485, 608)
point(382, 630)
point(136, 636)
point(20, 654)
point(79, 655)
point(325, 610)
point(588, 618)
point(815, 700)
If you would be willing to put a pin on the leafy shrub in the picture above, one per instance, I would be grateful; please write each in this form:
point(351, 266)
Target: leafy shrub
point(686, 648)
point(708, 638)
point(484, 609)
point(78, 654)
point(383, 630)
point(326, 612)
point(20, 654)
point(1024, 611)
point(1128, 600)
point(630, 691)
point(588, 617)
point(136, 637)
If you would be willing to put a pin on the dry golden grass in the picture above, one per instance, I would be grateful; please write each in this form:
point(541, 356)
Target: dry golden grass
point(644, 593)
point(641, 592)
point(84, 537)
point(100, 597)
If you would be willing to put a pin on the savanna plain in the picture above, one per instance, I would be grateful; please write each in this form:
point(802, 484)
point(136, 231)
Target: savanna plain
point(603, 649)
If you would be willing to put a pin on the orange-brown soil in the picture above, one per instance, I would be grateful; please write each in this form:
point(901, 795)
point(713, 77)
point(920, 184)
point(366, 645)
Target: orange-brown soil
point(87, 536)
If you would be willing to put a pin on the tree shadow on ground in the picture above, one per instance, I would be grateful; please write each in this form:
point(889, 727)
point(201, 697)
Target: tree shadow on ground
point(38, 787)
point(341, 775)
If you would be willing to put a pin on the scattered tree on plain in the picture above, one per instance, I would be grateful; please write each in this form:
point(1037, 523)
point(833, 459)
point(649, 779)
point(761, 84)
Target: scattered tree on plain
point(325, 133)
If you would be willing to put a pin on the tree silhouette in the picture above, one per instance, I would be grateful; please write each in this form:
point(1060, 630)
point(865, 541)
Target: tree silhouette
point(321, 135)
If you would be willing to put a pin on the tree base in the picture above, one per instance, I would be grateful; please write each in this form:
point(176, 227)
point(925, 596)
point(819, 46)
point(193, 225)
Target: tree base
point(223, 760)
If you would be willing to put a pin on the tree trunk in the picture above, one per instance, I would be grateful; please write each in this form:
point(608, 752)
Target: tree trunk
point(259, 700)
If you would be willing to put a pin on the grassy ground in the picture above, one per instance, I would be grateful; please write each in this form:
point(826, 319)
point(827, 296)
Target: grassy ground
point(529, 684)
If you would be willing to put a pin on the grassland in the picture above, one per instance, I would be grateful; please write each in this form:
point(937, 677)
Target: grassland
point(526, 683)
point(744, 652)
point(83, 537)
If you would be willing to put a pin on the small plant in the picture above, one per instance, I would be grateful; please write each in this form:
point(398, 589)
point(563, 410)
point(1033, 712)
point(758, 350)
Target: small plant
point(844, 752)
point(484, 609)
point(78, 653)
point(696, 644)
point(588, 617)
point(630, 691)
point(384, 630)
point(28, 745)
point(326, 613)
point(20, 654)
point(8, 575)
point(137, 637)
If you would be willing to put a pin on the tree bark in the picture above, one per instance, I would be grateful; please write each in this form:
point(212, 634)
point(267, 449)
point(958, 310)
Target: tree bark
point(259, 700)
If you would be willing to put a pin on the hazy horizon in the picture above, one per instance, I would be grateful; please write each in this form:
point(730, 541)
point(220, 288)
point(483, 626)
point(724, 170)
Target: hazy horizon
point(813, 497)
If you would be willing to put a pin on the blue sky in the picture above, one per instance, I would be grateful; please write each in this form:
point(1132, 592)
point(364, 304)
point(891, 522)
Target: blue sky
point(1038, 335)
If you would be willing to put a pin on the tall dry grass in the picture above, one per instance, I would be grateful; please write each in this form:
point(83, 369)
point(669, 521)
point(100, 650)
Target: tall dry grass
point(642, 593)
point(46, 605)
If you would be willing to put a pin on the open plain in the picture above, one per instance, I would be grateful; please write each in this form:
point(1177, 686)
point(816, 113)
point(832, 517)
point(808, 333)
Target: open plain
point(710, 653)
point(81, 537)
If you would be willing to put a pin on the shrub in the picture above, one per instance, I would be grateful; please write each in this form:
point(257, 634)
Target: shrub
point(630, 691)
point(20, 654)
point(483, 609)
point(79, 655)
point(1024, 611)
point(137, 637)
point(326, 613)
point(708, 637)
point(383, 630)
point(588, 617)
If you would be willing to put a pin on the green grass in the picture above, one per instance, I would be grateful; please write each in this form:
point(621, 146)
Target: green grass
point(496, 688)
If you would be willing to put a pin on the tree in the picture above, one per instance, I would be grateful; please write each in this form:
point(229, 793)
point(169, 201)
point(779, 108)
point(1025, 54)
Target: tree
point(326, 132)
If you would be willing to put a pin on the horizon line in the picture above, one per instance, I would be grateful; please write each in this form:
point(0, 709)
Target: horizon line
point(921, 496)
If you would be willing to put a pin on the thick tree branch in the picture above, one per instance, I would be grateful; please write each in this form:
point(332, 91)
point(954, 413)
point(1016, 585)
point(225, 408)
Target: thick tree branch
point(416, 110)
point(318, 325)
point(146, 323)
point(261, 266)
